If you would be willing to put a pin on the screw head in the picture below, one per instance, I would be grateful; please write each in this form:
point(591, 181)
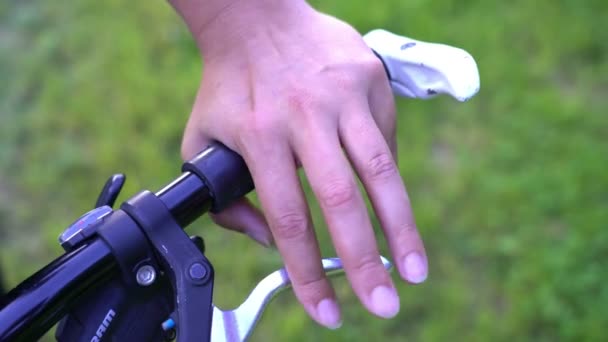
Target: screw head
point(197, 271)
point(146, 275)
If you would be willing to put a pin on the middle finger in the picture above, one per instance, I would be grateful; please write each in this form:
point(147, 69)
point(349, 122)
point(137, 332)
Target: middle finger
point(334, 184)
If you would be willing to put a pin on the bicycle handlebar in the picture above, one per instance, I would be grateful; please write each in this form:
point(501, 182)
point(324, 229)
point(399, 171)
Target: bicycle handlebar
point(38, 303)
point(210, 181)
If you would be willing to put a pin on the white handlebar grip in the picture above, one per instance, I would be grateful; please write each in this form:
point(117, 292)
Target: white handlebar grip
point(422, 70)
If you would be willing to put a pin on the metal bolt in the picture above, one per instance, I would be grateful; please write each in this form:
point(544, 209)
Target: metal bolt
point(198, 271)
point(146, 275)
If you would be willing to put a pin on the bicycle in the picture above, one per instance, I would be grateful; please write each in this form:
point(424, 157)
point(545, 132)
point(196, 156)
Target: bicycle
point(132, 274)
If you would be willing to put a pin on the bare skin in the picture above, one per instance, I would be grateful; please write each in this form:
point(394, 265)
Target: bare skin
point(286, 86)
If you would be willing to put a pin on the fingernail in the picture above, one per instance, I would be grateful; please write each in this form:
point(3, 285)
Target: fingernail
point(414, 268)
point(328, 313)
point(384, 302)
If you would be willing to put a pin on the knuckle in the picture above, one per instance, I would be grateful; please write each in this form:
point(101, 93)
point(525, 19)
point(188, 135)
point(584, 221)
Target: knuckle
point(291, 226)
point(337, 193)
point(300, 100)
point(257, 126)
point(311, 288)
point(260, 123)
point(381, 166)
point(409, 228)
point(406, 232)
point(310, 284)
point(374, 67)
point(346, 81)
point(368, 264)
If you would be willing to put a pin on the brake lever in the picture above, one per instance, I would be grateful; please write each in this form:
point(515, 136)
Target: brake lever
point(236, 325)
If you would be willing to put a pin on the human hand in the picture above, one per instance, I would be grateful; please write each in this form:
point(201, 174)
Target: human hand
point(285, 86)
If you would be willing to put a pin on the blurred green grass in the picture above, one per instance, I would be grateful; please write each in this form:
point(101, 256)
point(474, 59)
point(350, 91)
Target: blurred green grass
point(510, 190)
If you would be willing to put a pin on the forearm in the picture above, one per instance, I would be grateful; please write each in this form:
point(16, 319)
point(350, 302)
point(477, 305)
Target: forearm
point(215, 24)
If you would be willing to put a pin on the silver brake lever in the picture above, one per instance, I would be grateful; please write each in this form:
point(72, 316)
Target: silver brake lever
point(236, 325)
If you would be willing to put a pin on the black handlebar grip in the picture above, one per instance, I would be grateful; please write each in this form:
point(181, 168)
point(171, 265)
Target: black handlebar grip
point(224, 172)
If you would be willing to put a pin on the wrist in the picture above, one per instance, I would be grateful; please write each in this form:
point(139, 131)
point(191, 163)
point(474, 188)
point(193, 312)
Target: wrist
point(222, 27)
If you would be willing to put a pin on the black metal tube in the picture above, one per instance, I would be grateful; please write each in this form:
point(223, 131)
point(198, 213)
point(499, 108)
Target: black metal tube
point(187, 198)
point(32, 308)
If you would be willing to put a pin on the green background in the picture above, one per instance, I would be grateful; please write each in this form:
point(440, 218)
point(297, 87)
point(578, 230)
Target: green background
point(510, 190)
